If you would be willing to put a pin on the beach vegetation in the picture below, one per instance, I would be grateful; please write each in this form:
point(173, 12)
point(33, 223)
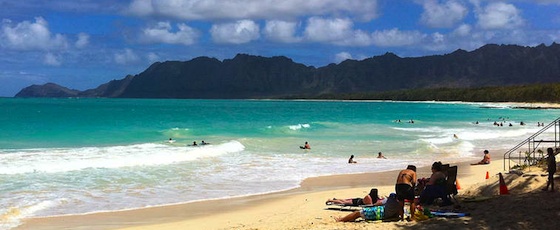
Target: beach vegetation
point(548, 93)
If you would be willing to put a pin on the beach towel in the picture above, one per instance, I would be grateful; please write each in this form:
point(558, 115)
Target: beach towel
point(449, 214)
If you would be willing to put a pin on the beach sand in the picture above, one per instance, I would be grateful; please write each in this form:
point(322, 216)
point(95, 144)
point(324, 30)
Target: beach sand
point(525, 207)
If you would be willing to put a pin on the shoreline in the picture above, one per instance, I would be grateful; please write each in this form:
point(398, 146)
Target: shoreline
point(256, 211)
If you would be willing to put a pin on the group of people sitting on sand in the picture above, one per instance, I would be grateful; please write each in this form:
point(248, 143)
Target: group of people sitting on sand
point(407, 188)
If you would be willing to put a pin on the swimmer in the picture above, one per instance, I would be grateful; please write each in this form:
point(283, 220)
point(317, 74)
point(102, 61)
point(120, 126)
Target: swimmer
point(380, 155)
point(351, 160)
point(306, 146)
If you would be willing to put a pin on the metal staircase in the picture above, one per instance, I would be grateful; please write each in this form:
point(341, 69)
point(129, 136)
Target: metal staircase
point(534, 151)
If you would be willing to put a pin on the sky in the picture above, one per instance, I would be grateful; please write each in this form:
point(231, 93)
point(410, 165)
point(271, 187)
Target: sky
point(81, 44)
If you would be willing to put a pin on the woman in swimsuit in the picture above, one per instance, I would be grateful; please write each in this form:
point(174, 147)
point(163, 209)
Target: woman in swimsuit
point(367, 200)
point(436, 186)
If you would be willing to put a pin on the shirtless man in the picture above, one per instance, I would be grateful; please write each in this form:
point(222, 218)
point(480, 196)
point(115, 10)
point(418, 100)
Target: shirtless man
point(405, 189)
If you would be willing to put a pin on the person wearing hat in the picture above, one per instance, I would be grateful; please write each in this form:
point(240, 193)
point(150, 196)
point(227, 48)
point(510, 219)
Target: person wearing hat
point(485, 160)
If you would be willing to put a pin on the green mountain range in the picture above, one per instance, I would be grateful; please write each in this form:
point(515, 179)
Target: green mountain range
point(248, 76)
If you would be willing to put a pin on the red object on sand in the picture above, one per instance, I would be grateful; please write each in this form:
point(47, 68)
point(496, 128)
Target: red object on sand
point(457, 184)
point(487, 175)
point(503, 187)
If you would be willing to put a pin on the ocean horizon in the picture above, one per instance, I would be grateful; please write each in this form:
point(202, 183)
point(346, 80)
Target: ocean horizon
point(86, 155)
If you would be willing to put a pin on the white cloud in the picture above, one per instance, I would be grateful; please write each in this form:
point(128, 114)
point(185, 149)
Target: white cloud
point(500, 16)
point(342, 56)
point(253, 9)
point(328, 30)
point(141, 7)
point(463, 30)
point(127, 56)
point(153, 57)
point(28, 35)
point(438, 38)
point(162, 33)
point(83, 40)
point(340, 32)
point(395, 37)
point(443, 15)
point(281, 31)
point(239, 32)
point(51, 59)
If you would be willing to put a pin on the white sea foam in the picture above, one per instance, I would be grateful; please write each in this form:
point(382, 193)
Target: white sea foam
point(299, 126)
point(64, 160)
point(11, 217)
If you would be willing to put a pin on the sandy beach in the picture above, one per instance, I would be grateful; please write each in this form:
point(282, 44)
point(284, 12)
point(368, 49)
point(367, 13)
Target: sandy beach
point(525, 207)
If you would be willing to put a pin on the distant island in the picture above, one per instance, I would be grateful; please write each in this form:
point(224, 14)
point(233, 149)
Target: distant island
point(490, 73)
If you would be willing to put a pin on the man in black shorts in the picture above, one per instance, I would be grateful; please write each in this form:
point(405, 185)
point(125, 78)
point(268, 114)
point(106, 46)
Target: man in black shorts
point(405, 189)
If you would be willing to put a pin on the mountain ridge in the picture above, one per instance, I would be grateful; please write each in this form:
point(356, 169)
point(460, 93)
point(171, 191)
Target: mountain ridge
point(248, 76)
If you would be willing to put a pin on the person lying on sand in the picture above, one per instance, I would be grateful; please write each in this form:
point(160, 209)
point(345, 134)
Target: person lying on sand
point(367, 200)
point(383, 212)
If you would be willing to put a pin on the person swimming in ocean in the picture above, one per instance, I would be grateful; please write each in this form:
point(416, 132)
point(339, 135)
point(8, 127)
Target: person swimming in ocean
point(380, 155)
point(306, 146)
point(351, 160)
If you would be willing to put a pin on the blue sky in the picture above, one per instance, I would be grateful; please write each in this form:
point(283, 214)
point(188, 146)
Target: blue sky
point(81, 44)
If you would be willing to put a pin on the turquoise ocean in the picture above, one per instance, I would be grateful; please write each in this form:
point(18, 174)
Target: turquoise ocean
point(76, 156)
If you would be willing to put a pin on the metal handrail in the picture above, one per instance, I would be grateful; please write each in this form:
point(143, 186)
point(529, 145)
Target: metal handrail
point(529, 140)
